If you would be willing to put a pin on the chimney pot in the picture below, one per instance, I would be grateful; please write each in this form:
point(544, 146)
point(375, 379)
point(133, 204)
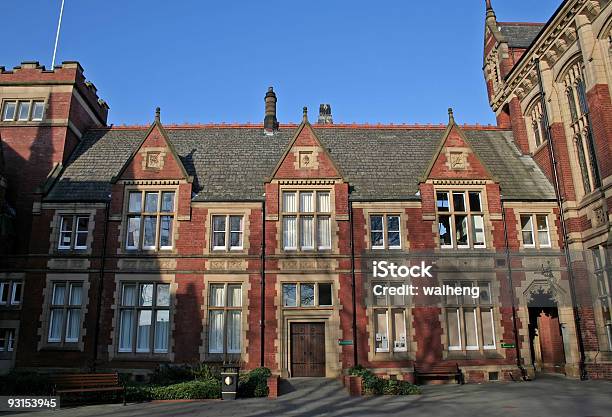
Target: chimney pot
point(270, 121)
point(325, 115)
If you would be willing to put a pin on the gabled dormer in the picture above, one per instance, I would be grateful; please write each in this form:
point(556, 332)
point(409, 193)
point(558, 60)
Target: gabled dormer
point(151, 192)
point(307, 194)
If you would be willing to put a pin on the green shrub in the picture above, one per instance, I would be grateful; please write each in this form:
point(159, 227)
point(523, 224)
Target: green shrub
point(254, 383)
point(191, 390)
point(138, 393)
point(25, 383)
point(375, 385)
point(168, 375)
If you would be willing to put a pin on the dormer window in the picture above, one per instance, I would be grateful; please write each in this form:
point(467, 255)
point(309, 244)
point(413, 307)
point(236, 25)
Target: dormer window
point(150, 220)
point(306, 218)
point(460, 219)
point(23, 110)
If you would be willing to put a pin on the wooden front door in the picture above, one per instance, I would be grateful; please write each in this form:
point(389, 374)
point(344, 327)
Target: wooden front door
point(307, 349)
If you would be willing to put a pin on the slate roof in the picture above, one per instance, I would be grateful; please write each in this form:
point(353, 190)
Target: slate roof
point(520, 35)
point(232, 164)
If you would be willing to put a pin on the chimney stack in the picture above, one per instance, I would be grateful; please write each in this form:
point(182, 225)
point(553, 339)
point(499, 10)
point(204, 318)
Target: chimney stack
point(270, 121)
point(325, 116)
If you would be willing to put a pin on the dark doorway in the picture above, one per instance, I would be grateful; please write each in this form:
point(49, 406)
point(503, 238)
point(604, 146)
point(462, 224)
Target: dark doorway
point(545, 334)
point(307, 349)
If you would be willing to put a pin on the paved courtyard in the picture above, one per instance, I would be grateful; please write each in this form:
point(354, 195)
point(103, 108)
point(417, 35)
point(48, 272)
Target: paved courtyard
point(555, 397)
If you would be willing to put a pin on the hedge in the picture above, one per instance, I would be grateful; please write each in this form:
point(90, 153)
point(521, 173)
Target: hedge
point(254, 383)
point(192, 390)
point(375, 385)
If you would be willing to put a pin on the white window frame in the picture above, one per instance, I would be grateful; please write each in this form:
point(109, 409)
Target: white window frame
point(298, 294)
point(535, 232)
point(11, 293)
point(470, 214)
point(7, 343)
point(391, 308)
point(385, 230)
point(315, 215)
point(225, 310)
point(65, 307)
point(477, 308)
point(227, 232)
point(143, 214)
point(74, 232)
point(136, 309)
point(16, 115)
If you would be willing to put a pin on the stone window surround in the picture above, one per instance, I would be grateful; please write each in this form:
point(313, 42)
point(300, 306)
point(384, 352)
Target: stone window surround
point(411, 344)
point(328, 315)
point(384, 208)
point(332, 215)
point(10, 324)
point(71, 210)
point(535, 209)
point(231, 209)
point(113, 353)
point(535, 231)
point(244, 281)
point(464, 353)
point(298, 282)
point(386, 211)
point(461, 185)
point(532, 108)
point(43, 330)
point(13, 277)
point(19, 98)
point(124, 216)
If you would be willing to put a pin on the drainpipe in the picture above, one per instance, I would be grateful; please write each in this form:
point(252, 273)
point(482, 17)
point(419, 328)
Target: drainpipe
point(519, 361)
point(100, 286)
point(553, 163)
point(354, 289)
point(262, 260)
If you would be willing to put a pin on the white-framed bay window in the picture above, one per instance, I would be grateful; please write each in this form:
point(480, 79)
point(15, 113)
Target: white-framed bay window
point(144, 317)
point(306, 220)
point(150, 220)
point(227, 232)
point(460, 219)
point(470, 322)
point(225, 318)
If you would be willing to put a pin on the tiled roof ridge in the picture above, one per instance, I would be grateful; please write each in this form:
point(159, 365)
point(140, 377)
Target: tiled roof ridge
point(521, 23)
point(390, 126)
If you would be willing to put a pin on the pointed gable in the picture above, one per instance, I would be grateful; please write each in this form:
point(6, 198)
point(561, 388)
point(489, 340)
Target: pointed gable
point(306, 157)
point(155, 158)
point(455, 158)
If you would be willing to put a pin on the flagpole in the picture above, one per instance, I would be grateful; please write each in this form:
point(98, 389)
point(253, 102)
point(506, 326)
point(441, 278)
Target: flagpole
point(59, 25)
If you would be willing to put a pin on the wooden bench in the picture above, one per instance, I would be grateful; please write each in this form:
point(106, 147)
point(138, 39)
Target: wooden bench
point(438, 371)
point(73, 383)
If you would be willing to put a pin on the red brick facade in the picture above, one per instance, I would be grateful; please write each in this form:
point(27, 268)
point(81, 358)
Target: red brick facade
point(192, 246)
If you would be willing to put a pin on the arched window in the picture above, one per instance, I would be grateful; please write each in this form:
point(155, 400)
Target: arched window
point(579, 123)
point(538, 126)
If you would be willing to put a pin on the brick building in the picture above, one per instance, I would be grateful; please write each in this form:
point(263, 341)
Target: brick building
point(129, 247)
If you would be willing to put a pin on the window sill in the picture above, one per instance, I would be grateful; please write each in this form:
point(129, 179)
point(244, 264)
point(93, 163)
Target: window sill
point(144, 357)
point(71, 347)
point(473, 354)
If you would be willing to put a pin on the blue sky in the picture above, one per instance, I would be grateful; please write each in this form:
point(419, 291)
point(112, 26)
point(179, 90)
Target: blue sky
point(389, 61)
